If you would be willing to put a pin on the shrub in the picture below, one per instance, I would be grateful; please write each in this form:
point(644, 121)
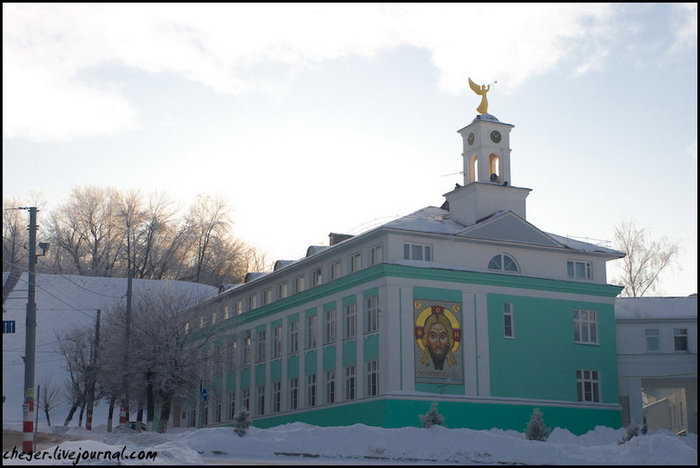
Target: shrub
point(630, 432)
point(242, 423)
point(432, 417)
point(536, 430)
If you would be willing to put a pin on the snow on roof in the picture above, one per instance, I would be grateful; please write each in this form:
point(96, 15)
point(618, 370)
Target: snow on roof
point(279, 264)
point(314, 249)
point(630, 308)
point(583, 246)
point(253, 275)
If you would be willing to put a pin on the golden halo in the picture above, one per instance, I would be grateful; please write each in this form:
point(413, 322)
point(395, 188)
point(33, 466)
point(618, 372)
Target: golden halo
point(454, 323)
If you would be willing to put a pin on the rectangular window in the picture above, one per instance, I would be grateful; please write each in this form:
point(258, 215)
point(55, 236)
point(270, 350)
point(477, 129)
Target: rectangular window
point(417, 252)
point(311, 332)
point(284, 290)
point(276, 397)
point(261, 400)
point(293, 393)
point(329, 326)
point(247, 343)
point(311, 390)
point(372, 377)
point(585, 326)
point(680, 339)
point(231, 358)
point(239, 308)
point(578, 270)
point(261, 346)
point(372, 314)
point(330, 386)
point(232, 405)
point(376, 256)
point(227, 312)
point(299, 283)
point(277, 341)
point(355, 262)
point(252, 302)
point(588, 385)
point(508, 331)
point(335, 270)
point(317, 276)
point(213, 317)
point(350, 321)
point(246, 400)
point(293, 336)
point(651, 337)
point(350, 383)
point(267, 296)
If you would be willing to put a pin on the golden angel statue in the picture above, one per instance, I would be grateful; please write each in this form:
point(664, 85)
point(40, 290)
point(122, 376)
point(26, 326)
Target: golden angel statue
point(481, 91)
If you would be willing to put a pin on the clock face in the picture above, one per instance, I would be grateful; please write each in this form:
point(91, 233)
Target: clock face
point(470, 139)
point(495, 136)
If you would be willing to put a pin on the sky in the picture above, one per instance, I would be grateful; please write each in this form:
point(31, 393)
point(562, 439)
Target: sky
point(319, 118)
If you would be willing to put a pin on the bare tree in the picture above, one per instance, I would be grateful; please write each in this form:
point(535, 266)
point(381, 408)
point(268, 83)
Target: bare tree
point(48, 399)
point(14, 236)
point(76, 346)
point(208, 218)
point(645, 259)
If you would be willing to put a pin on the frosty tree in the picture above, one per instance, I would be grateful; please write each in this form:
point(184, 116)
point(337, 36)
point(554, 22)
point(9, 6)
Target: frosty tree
point(644, 261)
point(241, 423)
point(536, 430)
point(432, 417)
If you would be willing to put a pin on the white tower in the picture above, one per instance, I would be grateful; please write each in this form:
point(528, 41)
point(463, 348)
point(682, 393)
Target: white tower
point(487, 178)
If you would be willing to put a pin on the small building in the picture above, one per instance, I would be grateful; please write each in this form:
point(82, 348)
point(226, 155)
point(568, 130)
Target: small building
point(468, 305)
point(657, 355)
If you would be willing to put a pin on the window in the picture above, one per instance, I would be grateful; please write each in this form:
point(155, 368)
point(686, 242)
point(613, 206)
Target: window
point(355, 262)
point(187, 327)
point(284, 290)
point(372, 321)
point(350, 383)
point(247, 342)
point(503, 262)
point(232, 405)
point(417, 252)
point(293, 393)
point(311, 331)
point(350, 329)
point(317, 276)
point(578, 270)
point(276, 397)
point(227, 312)
point(213, 317)
point(335, 270)
point(239, 308)
point(311, 390)
point(201, 321)
point(261, 346)
point(372, 377)
point(376, 256)
point(233, 346)
point(585, 326)
point(246, 400)
point(277, 341)
point(680, 339)
point(267, 296)
point(261, 400)
point(508, 331)
point(330, 386)
point(588, 385)
point(330, 326)
point(252, 302)
point(294, 336)
point(651, 336)
point(299, 283)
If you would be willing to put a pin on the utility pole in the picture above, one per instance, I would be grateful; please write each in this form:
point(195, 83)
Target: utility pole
point(30, 340)
point(93, 373)
point(124, 410)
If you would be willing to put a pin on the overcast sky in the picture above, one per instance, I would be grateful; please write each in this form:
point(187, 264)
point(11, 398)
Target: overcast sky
point(334, 117)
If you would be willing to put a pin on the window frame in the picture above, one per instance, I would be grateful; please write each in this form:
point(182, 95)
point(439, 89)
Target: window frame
point(508, 316)
point(311, 331)
point(330, 326)
point(572, 270)
point(355, 262)
point(372, 378)
point(588, 325)
point(682, 335)
point(649, 338)
point(350, 382)
point(593, 378)
point(350, 321)
point(293, 336)
point(372, 315)
point(409, 254)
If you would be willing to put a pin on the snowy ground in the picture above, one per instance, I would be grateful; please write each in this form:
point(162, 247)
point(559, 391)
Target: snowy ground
point(299, 443)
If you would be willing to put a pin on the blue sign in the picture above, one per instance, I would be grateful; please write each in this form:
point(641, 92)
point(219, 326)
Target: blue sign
point(8, 326)
point(204, 394)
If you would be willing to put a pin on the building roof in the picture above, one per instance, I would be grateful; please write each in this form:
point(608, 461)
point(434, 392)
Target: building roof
point(634, 308)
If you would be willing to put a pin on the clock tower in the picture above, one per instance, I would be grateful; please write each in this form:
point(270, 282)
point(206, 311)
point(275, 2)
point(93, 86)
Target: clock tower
point(487, 178)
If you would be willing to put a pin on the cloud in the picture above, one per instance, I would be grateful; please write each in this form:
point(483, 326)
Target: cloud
point(48, 47)
point(685, 27)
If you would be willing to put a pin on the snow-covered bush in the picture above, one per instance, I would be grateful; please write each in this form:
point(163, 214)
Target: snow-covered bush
point(241, 423)
point(630, 432)
point(536, 430)
point(432, 417)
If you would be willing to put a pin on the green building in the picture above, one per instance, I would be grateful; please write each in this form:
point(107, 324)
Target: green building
point(467, 305)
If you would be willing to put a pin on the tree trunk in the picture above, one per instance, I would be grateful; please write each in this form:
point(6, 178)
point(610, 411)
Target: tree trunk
point(71, 413)
point(165, 413)
point(150, 409)
point(82, 411)
point(110, 414)
point(48, 416)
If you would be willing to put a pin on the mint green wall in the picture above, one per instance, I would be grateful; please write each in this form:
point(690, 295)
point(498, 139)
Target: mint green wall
point(260, 375)
point(293, 366)
point(310, 363)
point(370, 348)
point(276, 370)
point(329, 358)
point(541, 361)
point(401, 413)
point(349, 352)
